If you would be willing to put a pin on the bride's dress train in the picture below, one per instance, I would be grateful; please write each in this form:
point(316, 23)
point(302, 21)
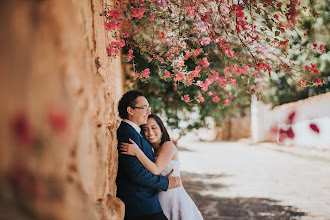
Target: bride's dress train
point(176, 203)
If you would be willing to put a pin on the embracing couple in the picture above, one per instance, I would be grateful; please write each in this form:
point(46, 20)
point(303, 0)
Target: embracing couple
point(148, 179)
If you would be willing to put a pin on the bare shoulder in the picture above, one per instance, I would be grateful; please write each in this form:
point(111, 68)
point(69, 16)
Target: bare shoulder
point(168, 145)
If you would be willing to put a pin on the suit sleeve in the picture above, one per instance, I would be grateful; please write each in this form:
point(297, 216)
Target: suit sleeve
point(135, 170)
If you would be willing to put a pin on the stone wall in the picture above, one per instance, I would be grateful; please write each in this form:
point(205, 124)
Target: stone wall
point(58, 93)
point(234, 129)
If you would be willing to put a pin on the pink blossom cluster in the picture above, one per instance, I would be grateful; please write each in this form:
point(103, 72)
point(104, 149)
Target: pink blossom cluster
point(229, 31)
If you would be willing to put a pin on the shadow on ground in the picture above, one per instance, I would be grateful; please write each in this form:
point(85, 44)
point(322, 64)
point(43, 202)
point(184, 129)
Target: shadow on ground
point(213, 207)
point(184, 149)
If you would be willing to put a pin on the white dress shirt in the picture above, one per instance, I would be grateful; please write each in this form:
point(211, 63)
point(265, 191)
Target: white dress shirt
point(135, 126)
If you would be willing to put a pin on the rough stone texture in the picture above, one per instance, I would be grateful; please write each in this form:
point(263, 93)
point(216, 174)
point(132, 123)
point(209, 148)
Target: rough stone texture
point(58, 93)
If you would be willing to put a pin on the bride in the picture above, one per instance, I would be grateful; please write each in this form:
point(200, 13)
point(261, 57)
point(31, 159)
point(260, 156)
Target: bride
point(176, 203)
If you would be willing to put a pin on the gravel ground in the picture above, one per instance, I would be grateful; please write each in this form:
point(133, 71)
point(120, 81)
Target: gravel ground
point(237, 180)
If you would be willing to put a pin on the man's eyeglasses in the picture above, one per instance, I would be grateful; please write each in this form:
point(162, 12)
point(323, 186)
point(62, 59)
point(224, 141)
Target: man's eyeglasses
point(145, 108)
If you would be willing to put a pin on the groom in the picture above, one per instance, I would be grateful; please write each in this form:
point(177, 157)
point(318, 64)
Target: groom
point(136, 186)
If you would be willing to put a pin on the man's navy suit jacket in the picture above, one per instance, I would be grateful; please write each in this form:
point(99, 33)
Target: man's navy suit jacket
point(136, 186)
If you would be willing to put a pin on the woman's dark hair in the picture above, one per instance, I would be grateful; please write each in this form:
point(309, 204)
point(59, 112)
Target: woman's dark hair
point(128, 99)
point(165, 136)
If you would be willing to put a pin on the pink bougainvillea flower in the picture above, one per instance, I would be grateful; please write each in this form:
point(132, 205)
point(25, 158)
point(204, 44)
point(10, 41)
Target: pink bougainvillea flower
point(188, 54)
point(138, 12)
point(230, 53)
point(216, 99)
point(239, 12)
point(170, 99)
point(303, 82)
point(313, 65)
point(146, 73)
point(115, 14)
point(205, 63)
point(210, 93)
point(163, 37)
point(167, 74)
point(196, 53)
point(152, 17)
point(277, 16)
point(124, 35)
point(129, 58)
point(206, 17)
point(319, 81)
point(205, 88)
point(248, 91)
point(314, 127)
point(201, 98)
point(58, 119)
point(191, 11)
point(290, 133)
point(315, 71)
point(232, 81)
point(226, 102)
point(186, 98)
point(112, 25)
point(178, 77)
point(307, 68)
point(244, 69)
point(22, 130)
point(138, 75)
point(291, 117)
point(109, 50)
point(234, 67)
point(259, 66)
point(149, 59)
point(226, 72)
point(130, 52)
point(180, 63)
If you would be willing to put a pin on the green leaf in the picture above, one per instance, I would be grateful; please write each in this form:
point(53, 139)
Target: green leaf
point(277, 33)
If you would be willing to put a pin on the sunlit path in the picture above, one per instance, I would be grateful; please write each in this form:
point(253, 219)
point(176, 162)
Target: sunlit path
point(255, 180)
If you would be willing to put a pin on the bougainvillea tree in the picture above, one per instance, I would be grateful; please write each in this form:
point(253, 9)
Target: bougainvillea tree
point(281, 89)
point(212, 49)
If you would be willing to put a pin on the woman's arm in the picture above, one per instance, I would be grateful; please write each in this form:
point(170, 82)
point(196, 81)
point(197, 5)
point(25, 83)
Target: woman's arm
point(166, 153)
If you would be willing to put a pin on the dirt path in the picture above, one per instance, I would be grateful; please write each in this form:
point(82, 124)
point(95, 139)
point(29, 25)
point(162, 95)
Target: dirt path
point(240, 181)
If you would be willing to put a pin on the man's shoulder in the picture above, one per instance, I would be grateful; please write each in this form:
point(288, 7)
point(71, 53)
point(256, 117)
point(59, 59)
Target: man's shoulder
point(126, 130)
point(125, 127)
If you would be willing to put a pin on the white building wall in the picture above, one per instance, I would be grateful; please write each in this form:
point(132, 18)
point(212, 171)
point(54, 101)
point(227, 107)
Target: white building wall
point(266, 122)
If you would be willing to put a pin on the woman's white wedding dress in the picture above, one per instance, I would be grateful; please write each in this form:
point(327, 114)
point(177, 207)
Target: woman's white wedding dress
point(176, 203)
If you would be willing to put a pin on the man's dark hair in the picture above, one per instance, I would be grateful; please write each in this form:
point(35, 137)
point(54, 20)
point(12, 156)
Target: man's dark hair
point(128, 99)
point(165, 135)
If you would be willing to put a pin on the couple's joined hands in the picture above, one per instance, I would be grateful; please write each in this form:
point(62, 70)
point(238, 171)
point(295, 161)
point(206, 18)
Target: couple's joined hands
point(133, 149)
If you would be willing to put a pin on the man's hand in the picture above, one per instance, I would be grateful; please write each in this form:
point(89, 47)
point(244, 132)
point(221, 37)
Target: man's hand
point(174, 182)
